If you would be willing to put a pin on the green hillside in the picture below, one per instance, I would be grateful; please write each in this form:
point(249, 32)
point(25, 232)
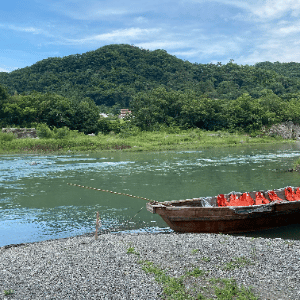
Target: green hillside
point(113, 74)
point(159, 88)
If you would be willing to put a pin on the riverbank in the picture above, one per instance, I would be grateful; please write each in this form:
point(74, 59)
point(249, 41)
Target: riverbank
point(142, 141)
point(147, 266)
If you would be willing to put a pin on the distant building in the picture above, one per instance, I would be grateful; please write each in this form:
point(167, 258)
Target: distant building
point(103, 115)
point(124, 112)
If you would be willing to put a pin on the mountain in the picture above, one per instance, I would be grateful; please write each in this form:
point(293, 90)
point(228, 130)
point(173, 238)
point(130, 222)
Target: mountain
point(113, 74)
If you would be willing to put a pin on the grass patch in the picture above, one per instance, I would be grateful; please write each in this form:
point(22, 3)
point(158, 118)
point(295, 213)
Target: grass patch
point(206, 259)
point(228, 289)
point(296, 164)
point(237, 262)
point(131, 250)
point(8, 292)
point(62, 141)
point(176, 288)
point(196, 273)
point(173, 288)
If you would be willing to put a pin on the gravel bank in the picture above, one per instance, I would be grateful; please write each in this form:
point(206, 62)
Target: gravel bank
point(82, 268)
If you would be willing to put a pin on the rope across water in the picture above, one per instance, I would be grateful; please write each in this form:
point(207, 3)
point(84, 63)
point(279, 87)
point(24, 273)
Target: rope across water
point(107, 191)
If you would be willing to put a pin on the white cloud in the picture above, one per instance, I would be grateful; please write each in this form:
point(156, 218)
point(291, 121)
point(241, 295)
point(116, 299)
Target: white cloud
point(272, 9)
point(157, 44)
point(21, 28)
point(117, 36)
point(261, 9)
point(90, 10)
point(286, 50)
point(94, 14)
point(287, 30)
point(141, 20)
point(3, 70)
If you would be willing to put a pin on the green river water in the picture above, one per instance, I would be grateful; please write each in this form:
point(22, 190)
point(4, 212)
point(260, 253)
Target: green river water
point(37, 204)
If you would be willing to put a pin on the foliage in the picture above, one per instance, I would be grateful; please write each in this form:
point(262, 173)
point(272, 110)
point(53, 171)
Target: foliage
point(237, 262)
point(7, 137)
point(114, 74)
point(8, 292)
point(175, 288)
point(61, 133)
point(230, 290)
point(196, 273)
point(161, 90)
point(143, 141)
point(51, 109)
point(131, 250)
point(44, 132)
point(108, 126)
point(3, 100)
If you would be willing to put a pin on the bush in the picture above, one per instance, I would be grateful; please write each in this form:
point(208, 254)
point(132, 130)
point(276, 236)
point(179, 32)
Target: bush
point(103, 126)
point(61, 133)
point(44, 132)
point(106, 126)
point(127, 130)
point(7, 137)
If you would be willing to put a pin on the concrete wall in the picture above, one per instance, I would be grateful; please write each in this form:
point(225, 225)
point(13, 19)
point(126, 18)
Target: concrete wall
point(21, 133)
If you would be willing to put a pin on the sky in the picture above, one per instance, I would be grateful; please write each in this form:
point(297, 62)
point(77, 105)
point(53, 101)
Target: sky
point(199, 31)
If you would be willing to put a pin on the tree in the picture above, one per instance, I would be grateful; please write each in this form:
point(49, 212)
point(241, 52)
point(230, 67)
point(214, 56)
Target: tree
point(3, 100)
point(86, 116)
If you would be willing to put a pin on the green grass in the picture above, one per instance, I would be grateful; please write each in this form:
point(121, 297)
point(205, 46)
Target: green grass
point(141, 141)
point(296, 164)
point(196, 273)
point(8, 292)
point(131, 250)
point(230, 290)
point(237, 262)
point(206, 259)
point(175, 288)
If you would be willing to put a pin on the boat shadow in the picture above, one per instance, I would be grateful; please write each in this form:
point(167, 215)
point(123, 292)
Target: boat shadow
point(288, 232)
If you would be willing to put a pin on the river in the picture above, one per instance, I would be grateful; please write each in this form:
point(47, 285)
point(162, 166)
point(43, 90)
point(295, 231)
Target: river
point(37, 204)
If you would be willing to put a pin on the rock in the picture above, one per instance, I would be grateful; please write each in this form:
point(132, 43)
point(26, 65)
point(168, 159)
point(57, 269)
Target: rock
point(21, 133)
point(287, 130)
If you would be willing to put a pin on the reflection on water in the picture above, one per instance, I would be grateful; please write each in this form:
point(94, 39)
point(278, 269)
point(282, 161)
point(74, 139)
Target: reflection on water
point(37, 204)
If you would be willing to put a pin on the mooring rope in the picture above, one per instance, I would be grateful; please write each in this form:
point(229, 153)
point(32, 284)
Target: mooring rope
point(107, 191)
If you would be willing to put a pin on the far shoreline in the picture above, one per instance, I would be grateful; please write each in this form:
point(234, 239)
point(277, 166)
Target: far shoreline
point(143, 142)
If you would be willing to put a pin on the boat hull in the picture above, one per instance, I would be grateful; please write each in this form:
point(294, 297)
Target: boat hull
point(227, 219)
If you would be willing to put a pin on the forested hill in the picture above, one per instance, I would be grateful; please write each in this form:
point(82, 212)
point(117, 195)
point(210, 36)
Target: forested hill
point(291, 69)
point(114, 74)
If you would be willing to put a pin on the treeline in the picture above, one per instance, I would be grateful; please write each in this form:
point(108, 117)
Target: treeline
point(112, 75)
point(51, 109)
point(159, 88)
point(175, 108)
point(154, 110)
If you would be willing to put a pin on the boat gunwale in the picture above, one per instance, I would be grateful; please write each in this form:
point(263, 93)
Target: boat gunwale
point(182, 216)
point(178, 203)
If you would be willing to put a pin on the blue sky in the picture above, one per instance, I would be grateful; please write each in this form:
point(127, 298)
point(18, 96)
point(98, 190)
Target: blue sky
point(247, 31)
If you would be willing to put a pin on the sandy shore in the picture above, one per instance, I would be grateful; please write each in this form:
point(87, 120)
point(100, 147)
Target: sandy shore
point(84, 268)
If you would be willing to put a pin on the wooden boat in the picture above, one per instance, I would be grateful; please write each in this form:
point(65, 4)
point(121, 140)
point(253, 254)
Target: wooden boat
point(231, 213)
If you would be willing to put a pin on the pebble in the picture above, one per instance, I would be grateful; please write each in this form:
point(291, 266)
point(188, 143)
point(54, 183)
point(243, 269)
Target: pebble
point(84, 268)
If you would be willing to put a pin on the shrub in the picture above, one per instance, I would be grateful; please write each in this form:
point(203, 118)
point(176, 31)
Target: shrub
point(7, 137)
point(61, 133)
point(44, 132)
point(127, 129)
